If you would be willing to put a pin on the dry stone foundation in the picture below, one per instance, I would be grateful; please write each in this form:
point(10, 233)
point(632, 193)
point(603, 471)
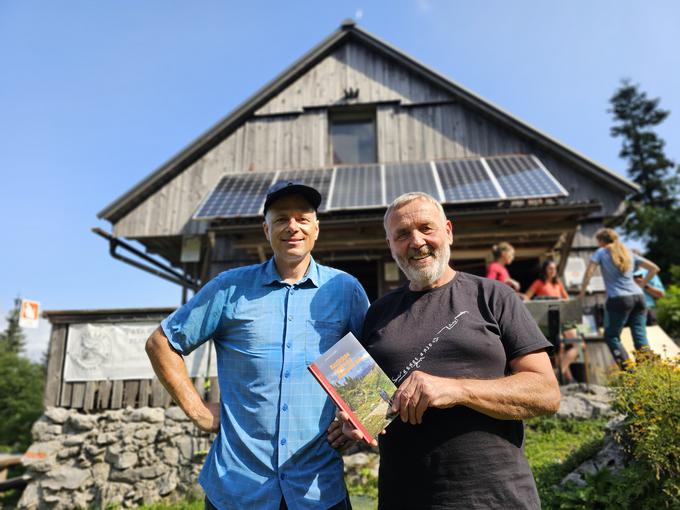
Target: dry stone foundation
point(121, 458)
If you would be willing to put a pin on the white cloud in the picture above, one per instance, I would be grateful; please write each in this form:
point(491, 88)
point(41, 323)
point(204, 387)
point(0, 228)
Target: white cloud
point(359, 14)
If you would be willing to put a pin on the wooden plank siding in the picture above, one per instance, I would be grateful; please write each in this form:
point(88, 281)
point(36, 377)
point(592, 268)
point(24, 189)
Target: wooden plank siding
point(100, 395)
point(55, 363)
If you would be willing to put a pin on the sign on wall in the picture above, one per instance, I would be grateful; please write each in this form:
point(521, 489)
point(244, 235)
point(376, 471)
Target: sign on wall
point(115, 351)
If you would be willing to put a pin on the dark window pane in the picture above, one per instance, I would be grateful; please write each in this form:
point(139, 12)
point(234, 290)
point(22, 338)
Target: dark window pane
point(353, 142)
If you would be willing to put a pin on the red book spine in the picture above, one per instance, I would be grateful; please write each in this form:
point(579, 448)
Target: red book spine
point(339, 401)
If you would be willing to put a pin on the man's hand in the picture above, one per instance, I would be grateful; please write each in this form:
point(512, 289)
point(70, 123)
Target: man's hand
point(208, 420)
point(349, 431)
point(335, 437)
point(420, 391)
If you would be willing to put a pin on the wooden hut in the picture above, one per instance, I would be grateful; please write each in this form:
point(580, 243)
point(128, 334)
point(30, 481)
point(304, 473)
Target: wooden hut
point(363, 121)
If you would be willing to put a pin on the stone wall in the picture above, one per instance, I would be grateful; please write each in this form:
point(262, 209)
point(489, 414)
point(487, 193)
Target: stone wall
point(124, 457)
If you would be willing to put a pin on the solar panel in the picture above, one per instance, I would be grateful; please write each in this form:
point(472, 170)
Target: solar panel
point(236, 195)
point(405, 177)
point(317, 179)
point(466, 180)
point(357, 186)
point(523, 177)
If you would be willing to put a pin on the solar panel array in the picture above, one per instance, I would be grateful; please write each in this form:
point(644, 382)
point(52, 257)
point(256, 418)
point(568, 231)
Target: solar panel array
point(376, 185)
point(466, 180)
point(317, 179)
point(357, 186)
point(522, 177)
point(401, 178)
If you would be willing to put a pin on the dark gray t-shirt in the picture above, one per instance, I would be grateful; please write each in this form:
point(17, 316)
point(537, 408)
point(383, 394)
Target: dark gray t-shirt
point(457, 458)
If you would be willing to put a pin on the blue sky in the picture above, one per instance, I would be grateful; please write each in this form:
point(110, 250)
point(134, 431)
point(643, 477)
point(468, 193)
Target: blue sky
point(96, 95)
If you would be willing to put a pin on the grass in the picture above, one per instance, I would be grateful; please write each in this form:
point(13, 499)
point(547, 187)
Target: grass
point(556, 447)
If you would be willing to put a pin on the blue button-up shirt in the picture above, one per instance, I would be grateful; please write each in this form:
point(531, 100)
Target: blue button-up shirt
point(274, 415)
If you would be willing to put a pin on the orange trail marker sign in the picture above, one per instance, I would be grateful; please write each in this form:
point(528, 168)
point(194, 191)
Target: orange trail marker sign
point(29, 314)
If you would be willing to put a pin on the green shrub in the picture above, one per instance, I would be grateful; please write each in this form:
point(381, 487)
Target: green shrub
point(649, 395)
point(633, 488)
point(668, 311)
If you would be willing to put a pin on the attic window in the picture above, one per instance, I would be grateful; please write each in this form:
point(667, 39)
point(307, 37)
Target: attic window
point(352, 135)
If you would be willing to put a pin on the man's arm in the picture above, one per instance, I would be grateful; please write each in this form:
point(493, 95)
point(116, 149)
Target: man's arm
point(586, 279)
point(652, 270)
point(172, 372)
point(531, 390)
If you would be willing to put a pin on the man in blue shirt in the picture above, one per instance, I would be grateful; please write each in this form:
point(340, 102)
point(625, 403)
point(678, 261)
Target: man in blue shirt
point(268, 322)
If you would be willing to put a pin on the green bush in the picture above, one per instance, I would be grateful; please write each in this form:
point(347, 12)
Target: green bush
point(649, 395)
point(668, 311)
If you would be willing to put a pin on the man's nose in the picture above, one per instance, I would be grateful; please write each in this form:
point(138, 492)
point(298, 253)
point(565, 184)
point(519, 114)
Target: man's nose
point(292, 225)
point(416, 240)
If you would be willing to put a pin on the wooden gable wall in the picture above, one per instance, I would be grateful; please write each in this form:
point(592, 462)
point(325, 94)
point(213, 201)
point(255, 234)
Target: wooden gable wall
point(415, 121)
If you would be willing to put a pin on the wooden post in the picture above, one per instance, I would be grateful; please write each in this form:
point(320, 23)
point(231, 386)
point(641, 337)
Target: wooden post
point(55, 364)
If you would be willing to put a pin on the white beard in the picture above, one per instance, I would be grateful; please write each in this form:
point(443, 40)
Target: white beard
point(426, 276)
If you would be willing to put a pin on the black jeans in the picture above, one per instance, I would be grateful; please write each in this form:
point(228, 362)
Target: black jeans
point(345, 504)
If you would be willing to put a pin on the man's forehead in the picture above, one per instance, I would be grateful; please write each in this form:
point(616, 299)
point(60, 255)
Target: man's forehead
point(291, 203)
point(418, 208)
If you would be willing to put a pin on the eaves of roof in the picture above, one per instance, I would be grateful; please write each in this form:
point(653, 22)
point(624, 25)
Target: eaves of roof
point(347, 31)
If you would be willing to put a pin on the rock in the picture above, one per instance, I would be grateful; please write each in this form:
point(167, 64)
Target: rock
point(31, 497)
point(45, 430)
point(64, 477)
point(127, 476)
point(41, 456)
point(106, 438)
point(82, 500)
point(579, 406)
point(100, 472)
point(147, 435)
point(78, 421)
point(121, 460)
point(166, 433)
point(148, 414)
point(175, 413)
point(65, 453)
point(75, 440)
point(170, 455)
point(167, 483)
point(114, 415)
point(611, 456)
point(57, 414)
point(185, 446)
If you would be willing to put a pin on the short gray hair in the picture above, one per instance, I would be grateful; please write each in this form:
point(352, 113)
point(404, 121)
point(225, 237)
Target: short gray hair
point(407, 198)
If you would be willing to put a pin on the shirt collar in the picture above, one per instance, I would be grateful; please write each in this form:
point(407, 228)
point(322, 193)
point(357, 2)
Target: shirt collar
point(271, 274)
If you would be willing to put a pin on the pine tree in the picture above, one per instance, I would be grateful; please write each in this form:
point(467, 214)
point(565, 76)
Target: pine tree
point(635, 117)
point(652, 214)
point(13, 338)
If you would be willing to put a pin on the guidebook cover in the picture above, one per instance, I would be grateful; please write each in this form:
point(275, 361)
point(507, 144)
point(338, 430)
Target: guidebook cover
point(357, 385)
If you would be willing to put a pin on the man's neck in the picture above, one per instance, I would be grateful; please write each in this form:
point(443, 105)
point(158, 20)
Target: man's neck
point(292, 271)
point(445, 278)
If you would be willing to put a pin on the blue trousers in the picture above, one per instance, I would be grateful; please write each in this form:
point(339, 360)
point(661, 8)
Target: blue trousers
point(619, 312)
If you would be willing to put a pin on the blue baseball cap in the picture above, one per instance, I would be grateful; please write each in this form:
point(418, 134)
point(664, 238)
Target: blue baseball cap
point(281, 189)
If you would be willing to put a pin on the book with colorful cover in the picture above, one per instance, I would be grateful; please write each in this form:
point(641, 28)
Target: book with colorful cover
point(357, 385)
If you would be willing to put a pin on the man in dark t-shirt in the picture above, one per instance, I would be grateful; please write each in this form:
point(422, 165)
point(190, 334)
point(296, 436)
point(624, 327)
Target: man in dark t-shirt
point(469, 363)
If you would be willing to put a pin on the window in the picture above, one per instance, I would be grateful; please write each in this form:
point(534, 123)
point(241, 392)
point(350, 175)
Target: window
point(352, 136)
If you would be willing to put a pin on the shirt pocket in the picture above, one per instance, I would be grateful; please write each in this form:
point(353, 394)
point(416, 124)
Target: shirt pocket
point(321, 336)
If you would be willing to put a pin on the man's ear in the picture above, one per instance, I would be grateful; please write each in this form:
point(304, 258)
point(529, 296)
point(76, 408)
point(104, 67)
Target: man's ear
point(449, 231)
point(317, 230)
point(265, 227)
